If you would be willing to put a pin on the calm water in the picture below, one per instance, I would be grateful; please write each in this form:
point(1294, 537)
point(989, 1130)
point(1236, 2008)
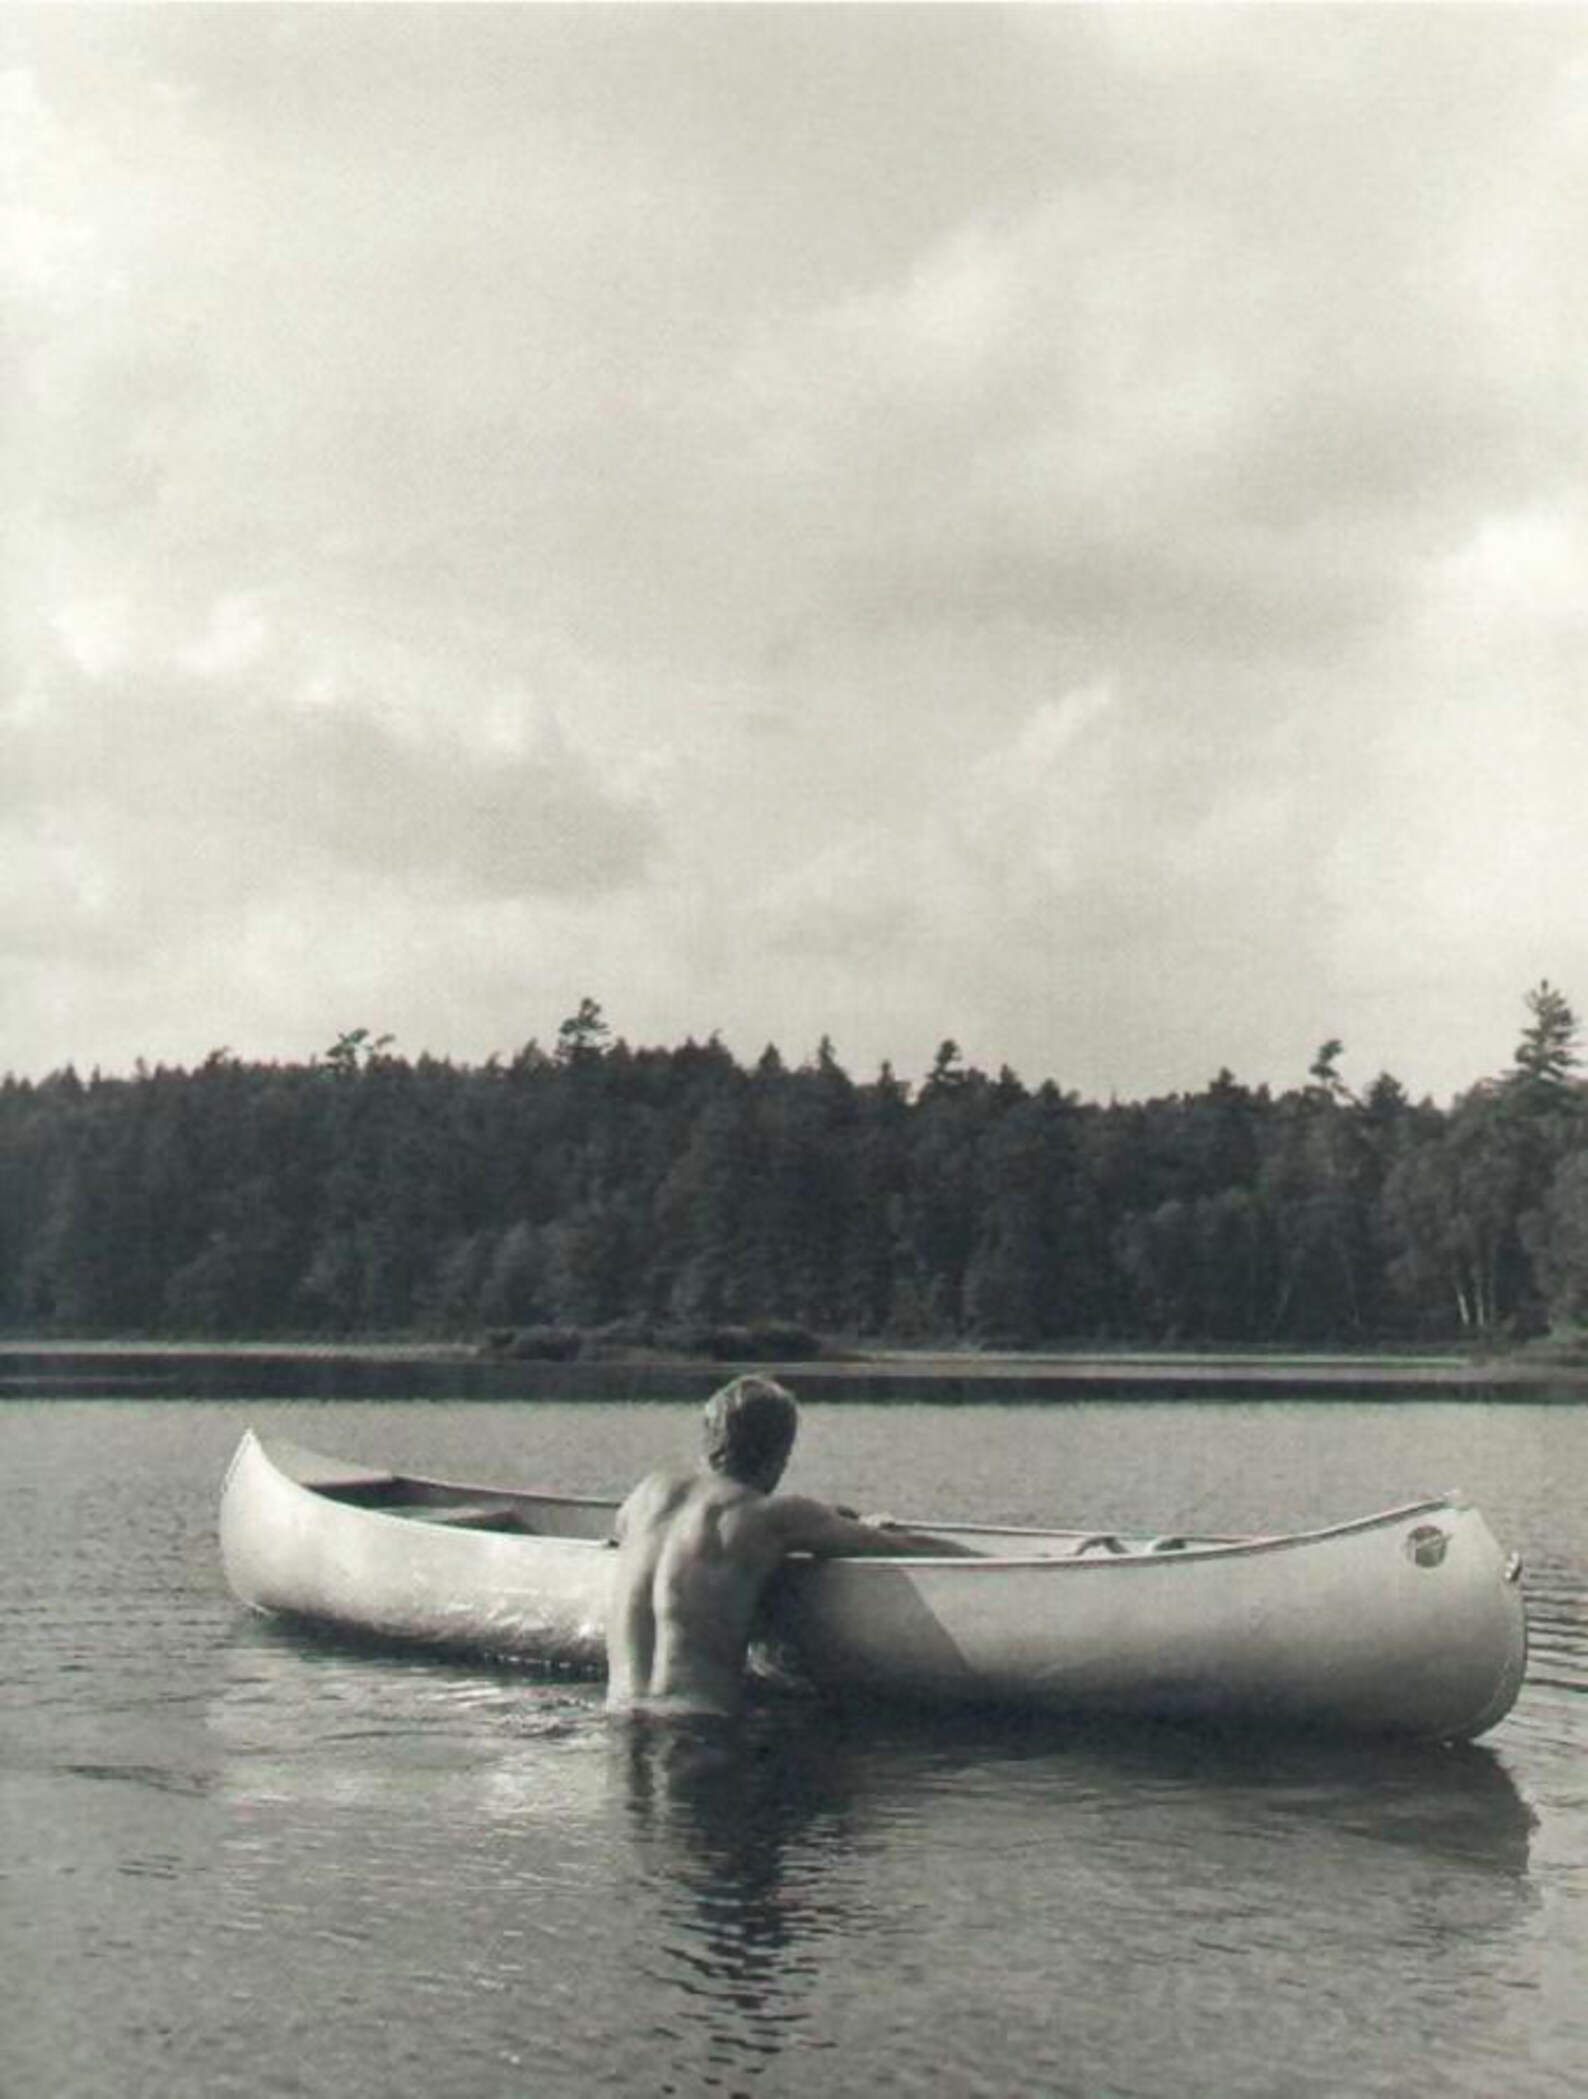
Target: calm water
point(231, 1862)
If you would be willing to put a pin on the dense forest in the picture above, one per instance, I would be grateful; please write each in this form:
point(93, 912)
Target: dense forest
point(643, 1192)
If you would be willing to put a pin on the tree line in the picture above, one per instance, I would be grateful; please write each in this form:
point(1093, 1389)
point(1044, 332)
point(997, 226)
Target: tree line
point(639, 1191)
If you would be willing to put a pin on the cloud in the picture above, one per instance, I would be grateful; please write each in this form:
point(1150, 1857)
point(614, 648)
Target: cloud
point(1052, 526)
point(193, 854)
point(1456, 877)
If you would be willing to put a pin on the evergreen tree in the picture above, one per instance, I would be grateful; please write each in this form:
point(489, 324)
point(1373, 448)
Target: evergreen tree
point(1546, 1056)
point(360, 1192)
point(584, 1036)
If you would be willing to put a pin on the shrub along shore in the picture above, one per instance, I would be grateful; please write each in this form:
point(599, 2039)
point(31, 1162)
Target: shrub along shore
point(830, 1374)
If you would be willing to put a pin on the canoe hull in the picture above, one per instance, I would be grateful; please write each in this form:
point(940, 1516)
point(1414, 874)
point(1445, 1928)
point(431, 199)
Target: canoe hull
point(1359, 1629)
point(1411, 1623)
point(290, 1549)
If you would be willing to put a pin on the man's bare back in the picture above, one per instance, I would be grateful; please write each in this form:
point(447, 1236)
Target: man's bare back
point(697, 1548)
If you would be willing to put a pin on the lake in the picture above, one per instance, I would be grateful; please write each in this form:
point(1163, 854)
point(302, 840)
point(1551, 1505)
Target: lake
point(236, 1862)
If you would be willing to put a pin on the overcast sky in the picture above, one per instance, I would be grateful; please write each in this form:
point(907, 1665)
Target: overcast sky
point(1062, 528)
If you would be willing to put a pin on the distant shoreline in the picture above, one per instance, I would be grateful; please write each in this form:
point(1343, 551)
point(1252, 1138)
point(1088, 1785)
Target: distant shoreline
point(149, 1369)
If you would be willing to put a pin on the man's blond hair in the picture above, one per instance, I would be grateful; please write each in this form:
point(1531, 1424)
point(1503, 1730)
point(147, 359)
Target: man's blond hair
point(749, 1424)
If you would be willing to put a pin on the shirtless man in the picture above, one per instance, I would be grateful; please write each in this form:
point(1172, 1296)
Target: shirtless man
point(697, 1548)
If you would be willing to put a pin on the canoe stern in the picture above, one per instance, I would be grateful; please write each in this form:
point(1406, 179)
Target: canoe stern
point(290, 1548)
point(1410, 1624)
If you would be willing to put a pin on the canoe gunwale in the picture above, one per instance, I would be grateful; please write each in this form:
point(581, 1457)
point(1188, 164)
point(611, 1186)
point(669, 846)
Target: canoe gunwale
point(430, 1491)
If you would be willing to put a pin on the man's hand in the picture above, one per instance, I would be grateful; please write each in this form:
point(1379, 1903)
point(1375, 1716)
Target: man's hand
point(876, 1522)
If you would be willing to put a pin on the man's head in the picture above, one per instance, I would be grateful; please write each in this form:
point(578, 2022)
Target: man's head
point(749, 1431)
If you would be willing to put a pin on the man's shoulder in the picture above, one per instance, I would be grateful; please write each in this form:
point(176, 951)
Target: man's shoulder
point(666, 1483)
point(668, 1478)
point(673, 1487)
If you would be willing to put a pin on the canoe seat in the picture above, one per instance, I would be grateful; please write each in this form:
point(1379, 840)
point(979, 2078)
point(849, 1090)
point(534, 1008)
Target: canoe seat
point(472, 1516)
point(1106, 1542)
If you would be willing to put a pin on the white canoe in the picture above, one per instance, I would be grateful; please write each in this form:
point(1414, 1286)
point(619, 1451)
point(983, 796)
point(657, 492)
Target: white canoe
point(1410, 1622)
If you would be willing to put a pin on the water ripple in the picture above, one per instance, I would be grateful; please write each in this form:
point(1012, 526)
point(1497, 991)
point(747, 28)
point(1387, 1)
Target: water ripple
point(232, 1854)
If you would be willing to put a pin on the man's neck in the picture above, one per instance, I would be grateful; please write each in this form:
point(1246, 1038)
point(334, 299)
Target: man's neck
point(736, 1479)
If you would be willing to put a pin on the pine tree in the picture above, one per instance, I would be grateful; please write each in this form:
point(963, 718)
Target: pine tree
point(1546, 1056)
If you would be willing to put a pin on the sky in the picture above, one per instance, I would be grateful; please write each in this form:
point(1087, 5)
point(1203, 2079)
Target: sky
point(1059, 528)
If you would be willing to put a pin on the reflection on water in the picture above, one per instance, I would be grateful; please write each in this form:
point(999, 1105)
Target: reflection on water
point(315, 1713)
point(327, 1723)
point(746, 1900)
point(238, 1861)
point(794, 1844)
point(715, 1811)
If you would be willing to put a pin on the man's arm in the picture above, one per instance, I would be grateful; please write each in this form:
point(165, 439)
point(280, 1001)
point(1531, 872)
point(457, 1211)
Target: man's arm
point(813, 1527)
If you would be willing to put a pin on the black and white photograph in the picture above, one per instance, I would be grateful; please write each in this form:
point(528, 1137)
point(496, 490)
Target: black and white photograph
point(794, 1049)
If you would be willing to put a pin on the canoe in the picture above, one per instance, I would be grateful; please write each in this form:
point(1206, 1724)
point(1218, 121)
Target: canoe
point(1409, 1622)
